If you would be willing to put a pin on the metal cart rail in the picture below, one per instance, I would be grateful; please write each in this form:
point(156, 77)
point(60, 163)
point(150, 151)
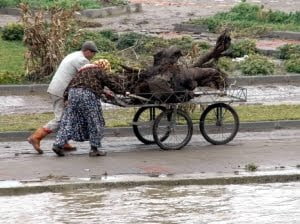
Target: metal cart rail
point(160, 118)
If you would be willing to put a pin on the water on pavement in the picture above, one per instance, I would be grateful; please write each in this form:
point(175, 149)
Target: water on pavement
point(264, 94)
point(257, 203)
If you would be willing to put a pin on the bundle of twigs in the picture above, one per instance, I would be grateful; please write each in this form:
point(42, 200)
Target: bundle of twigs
point(166, 75)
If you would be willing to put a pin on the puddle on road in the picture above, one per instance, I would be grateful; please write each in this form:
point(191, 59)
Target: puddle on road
point(257, 203)
point(273, 94)
point(264, 94)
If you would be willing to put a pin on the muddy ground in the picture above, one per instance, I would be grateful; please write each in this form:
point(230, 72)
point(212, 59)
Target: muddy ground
point(158, 16)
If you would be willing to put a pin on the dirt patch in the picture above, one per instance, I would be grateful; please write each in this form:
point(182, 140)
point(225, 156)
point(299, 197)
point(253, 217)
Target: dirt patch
point(274, 44)
point(159, 16)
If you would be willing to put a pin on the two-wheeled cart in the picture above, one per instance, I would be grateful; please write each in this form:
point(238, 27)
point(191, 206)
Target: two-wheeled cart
point(164, 120)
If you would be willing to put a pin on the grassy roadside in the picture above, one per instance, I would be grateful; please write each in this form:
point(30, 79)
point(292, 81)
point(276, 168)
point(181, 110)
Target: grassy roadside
point(11, 61)
point(122, 117)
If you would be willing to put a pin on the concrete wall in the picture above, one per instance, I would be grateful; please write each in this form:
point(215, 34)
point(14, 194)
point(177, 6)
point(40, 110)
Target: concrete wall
point(284, 35)
point(203, 28)
point(270, 79)
point(111, 11)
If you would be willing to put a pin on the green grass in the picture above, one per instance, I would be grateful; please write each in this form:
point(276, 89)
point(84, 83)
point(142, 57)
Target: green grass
point(12, 57)
point(251, 167)
point(251, 19)
point(251, 113)
point(122, 117)
point(29, 122)
point(83, 4)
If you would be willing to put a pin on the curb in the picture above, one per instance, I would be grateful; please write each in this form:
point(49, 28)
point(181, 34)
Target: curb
point(186, 27)
point(283, 35)
point(128, 132)
point(166, 181)
point(111, 11)
point(270, 79)
point(41, 89)
point(269, 52)
point(90, 13)
point(32, 89)
point(23, 135)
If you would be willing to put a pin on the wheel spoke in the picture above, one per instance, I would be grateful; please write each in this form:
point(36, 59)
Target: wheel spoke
point(180, 126)
point(219, 123)
point(143, 123)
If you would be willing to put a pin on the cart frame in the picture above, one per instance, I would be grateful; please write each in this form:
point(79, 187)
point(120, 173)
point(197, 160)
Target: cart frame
point(170, 127)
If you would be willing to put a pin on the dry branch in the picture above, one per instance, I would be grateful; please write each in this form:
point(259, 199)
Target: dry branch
point(45, 35)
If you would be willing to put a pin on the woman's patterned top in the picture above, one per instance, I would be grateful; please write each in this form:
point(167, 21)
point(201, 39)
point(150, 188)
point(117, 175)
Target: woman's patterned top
point(95, 79)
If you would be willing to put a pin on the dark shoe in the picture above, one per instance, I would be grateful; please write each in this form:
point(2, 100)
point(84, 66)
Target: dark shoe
point(95, 152)
point(58, 150)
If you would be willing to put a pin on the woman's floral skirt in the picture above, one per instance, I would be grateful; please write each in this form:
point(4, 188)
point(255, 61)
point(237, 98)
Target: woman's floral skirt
point(82, 119)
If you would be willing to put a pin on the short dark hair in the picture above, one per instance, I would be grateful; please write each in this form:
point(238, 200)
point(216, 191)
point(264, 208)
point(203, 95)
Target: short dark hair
point(89, 45)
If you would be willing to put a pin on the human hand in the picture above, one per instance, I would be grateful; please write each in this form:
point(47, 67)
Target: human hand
point(109, 94)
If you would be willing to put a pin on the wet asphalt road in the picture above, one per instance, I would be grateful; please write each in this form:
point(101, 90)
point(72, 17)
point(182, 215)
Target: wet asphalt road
point(277, 150)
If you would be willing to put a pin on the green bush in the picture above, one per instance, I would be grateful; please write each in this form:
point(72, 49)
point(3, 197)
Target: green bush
point(212, 24)
point(184, 43)
point(242, 11)
point(8, 3)
point(10, 78)
point(13, 31)
point(289, 49)
point(227, 64)
point(282, 17)
point(243, 47)
point(110, 34)
point(103, 44)
point(203, 45)
point(153, 45)
point(251, 19)
point(130, 39)
point(293, 64)
point(257, 65)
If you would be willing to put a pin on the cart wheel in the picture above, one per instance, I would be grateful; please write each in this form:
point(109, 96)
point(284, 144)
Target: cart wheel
point(143, 122)
point(177, 124)
point(219, 123)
